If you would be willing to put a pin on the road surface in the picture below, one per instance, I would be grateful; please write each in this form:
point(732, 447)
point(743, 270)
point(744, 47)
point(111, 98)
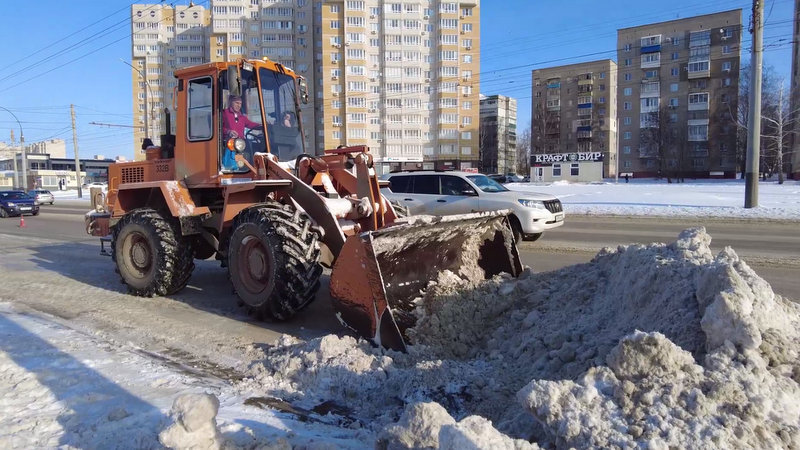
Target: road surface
point(52, 266)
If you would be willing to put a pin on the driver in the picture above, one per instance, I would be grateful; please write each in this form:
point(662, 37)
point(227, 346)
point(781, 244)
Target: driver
point(234, 122)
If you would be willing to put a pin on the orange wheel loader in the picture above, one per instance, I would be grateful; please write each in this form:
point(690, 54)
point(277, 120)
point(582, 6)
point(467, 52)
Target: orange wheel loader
point(235, 182)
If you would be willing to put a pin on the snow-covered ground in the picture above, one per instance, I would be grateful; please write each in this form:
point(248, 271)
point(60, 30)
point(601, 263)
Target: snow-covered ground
point(646, 345)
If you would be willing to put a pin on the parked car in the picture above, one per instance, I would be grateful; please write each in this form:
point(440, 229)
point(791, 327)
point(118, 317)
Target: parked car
point(42, 196)
point(101, 184)
point(446, 193)
point(16, 203)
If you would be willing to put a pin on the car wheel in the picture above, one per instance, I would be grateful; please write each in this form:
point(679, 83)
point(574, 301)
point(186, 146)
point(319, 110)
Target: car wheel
point(533, 237)
point(3, 213)
point(35, 213)
point(516, 228)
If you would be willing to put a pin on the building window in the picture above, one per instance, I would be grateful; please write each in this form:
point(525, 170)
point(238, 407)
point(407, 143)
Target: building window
point(628, 77)
point(602, 75)
point(627, 106)
point(556, 170)
point(726, 81)
point(628, 62)
point(673, 87)
point(673, 102)
point(574, 169)
point(675, 55)
point(628, 48)
point(626, 135)
point(627, 120)
point(726, 66)
point(726, 49)
point(626, 149)
point(674, 72)
point(627, 91)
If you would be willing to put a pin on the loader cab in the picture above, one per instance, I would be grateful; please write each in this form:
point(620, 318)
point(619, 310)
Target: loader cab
point(258, 113)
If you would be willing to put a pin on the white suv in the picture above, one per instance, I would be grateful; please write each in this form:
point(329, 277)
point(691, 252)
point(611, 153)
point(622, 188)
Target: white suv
point(446, 193)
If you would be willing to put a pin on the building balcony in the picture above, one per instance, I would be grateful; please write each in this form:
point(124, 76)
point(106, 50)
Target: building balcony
point(584, 105)
point(693, 74)
point(651, 48)
point(585, 134)
point(584, 82)
point(698, 106)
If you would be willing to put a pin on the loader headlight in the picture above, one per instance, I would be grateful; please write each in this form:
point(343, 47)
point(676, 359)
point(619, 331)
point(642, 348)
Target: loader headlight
point(236, 145)
point(536, 204)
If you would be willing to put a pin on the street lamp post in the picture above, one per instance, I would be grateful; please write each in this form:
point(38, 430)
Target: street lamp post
point(22, 145)
point(146, 104)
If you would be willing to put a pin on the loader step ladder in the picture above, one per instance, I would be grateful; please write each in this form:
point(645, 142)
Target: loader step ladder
point(103, 241)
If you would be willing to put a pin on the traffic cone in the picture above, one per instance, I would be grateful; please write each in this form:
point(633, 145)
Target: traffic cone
point(21, 221)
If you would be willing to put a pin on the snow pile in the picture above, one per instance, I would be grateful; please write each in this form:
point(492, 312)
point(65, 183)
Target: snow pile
point(663, 345)
point(429, 425)
point(195, 424)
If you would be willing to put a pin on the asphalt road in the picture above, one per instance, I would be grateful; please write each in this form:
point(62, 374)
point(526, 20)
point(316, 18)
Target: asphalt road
point(771, 248)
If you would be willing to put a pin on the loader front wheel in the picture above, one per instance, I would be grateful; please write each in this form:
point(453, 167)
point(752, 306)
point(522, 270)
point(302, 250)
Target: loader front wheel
point(151, 256)
point(273, 260)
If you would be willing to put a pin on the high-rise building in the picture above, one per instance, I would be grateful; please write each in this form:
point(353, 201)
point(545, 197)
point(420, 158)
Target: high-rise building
point(677, 96)
point(400, 77)
point(573, 122)
point(498, 134)
point(795, 94)
point(163, 39)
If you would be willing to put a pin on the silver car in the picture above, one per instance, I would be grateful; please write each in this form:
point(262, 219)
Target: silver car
point(42, 196)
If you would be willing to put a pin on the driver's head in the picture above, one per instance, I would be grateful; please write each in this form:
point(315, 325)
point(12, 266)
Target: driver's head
point(235, 102)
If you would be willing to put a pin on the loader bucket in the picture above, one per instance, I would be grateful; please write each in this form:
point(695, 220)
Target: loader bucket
point(379, 274)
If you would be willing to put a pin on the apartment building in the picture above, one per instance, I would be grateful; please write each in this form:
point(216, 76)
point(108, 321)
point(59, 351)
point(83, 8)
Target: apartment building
point(400, 77)
point(498, 134)
point(573, 122)
point(677, 96)
point(795, 93)
point(163, 38)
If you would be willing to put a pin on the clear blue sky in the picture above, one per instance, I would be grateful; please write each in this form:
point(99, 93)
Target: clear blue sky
point(62, 52)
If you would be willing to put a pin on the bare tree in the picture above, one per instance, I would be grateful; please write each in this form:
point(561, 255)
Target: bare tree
point(769, 93)
point(663, 140)
point(544, 123)
point(779, 120)
point(524, 152)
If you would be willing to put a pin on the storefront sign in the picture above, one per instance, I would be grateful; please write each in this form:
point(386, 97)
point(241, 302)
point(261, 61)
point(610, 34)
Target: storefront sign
point(550, 158)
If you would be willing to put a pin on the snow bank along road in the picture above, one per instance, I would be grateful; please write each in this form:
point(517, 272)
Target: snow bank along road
point(550, 358)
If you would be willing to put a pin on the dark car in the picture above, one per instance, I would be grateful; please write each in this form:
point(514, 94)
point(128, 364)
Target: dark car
point(15, 203)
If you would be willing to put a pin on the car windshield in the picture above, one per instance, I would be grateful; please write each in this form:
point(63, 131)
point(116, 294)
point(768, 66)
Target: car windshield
point(486, 184)
point(13, 195)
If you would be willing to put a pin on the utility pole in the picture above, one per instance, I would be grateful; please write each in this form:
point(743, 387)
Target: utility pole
point(754, 122)
point(75, 147)
point(14, 159)
point(24, 181)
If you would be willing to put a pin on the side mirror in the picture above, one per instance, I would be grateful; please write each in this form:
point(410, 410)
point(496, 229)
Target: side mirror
point(234, 82)
point(303, 86)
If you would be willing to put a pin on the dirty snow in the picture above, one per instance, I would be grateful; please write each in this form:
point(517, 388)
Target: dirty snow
point(660, 345)
point(657, 345)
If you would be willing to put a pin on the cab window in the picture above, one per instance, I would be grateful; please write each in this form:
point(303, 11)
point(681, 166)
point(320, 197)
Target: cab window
point(200, 109)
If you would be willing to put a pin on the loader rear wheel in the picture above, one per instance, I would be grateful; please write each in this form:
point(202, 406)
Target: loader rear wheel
point(273, 260)
point(151, 256)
